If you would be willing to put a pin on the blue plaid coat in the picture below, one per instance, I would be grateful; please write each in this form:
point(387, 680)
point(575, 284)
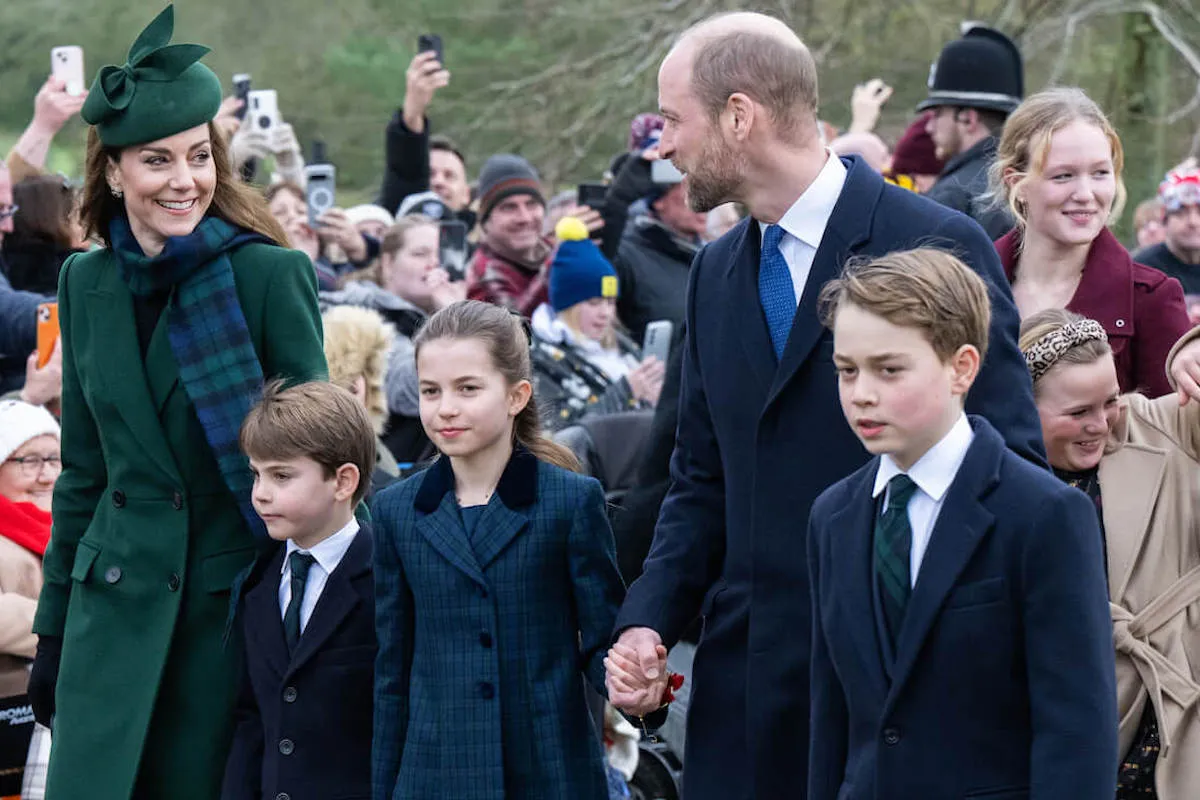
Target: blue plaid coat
point(482, 640)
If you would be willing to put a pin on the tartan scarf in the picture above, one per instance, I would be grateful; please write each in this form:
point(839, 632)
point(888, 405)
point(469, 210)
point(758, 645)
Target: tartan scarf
point(208, 335)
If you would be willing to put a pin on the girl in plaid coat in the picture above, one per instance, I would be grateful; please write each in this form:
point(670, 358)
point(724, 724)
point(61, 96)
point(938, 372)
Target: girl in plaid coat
point(496, 584)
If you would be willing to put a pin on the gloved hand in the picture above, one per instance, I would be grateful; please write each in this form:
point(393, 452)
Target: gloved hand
point(43, 678)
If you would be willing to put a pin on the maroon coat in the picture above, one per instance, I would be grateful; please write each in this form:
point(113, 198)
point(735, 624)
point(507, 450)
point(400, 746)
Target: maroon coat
point(1140, 308)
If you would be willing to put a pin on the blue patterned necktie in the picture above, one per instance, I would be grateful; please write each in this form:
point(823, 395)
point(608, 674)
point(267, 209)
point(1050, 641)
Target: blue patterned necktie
point(893, 546)
point(775, 289)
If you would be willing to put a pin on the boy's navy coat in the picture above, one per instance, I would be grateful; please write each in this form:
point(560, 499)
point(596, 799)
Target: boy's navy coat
point(304, 719)
point(484, 641)
point(1003, 684)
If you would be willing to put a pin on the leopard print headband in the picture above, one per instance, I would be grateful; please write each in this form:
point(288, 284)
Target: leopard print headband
point(1046, 351)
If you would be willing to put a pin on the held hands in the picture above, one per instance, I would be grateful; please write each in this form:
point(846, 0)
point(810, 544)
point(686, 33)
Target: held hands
point(424, 77)
point(866, 102)
point(637, 678)
point(1185, 370)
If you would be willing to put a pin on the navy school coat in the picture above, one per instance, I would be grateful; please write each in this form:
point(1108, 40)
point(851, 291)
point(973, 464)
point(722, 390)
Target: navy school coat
point(484, 640)
point(304, 719)
point(1003, 684)
point(756, 444)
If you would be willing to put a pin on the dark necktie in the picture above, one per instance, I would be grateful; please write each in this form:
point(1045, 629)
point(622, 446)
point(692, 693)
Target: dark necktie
point(893, 544)
point(775, 289)
point(298, 564)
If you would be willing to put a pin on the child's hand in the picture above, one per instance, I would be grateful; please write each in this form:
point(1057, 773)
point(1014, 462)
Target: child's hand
point(1185, 370)
point(637, 672)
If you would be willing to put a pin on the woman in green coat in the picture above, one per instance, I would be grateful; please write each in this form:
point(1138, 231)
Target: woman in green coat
point(168, 334)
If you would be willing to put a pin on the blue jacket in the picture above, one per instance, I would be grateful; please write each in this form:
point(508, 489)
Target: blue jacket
point(1003, 683)
point(18, 332)
point(484, 641)
point(757, 442)
point(304, 718)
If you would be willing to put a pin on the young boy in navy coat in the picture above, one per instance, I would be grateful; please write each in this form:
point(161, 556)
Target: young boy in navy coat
point(305, 714)
point(961, 637)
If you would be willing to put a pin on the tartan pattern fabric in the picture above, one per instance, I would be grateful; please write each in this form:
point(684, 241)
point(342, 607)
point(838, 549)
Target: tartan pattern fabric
point(893, 544)
point(775, 289)
point(209, 338)
point(473, 718)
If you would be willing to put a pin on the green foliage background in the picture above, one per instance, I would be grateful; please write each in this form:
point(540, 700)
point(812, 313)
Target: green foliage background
point(558, 80)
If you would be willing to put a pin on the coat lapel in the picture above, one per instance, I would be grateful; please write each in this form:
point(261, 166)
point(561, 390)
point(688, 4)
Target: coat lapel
point(849, 226)
point(264, 620)
point(961, 525)
point(115, 350)
point(498, 526)
point(852, 561)
point(1138, 470)
point(339, 598)
point(444, 531)
point(752, 327)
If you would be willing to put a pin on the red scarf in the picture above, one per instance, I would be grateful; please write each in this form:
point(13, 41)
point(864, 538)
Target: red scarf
point(25, 524)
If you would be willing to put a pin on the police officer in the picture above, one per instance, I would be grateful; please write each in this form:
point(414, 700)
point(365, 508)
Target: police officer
point(974, 85)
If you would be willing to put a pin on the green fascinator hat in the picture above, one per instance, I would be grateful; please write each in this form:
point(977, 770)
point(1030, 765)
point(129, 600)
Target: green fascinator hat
point(162, 90)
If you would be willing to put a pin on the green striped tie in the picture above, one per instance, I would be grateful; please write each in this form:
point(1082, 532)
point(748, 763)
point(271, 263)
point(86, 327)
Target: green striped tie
point(893, 543)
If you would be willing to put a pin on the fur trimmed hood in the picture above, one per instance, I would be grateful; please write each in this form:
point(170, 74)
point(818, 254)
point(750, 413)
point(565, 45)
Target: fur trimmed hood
point(357, 341)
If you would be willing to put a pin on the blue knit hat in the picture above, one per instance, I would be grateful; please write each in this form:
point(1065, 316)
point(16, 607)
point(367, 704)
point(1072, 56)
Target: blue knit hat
point(579, 271)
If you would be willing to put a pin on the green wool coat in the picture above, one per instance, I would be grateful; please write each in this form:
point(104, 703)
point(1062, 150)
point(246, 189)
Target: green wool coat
point(147, 539)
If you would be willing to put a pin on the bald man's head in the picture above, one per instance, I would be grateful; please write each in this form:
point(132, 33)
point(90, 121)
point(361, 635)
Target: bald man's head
point(755, 55)
point(867, 145)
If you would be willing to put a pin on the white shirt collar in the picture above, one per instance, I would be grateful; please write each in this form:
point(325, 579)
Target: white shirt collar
point(329, 552)
point(934, 472)
point(809, 215)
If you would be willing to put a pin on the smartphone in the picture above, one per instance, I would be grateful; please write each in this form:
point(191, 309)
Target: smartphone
point(318, 152)
point(592, 195)
point(427, 42)
point(264, 108)
point(47, 331)
point(66, 64)
point(453, 248)
point(241, 90)
point(657, 341)
point(664, 173)
point(319, 190)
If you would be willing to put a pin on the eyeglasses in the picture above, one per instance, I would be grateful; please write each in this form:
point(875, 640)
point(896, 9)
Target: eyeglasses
point(31, 466)
point(9, 211)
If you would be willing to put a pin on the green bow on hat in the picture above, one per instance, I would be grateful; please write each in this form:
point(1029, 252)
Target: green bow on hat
point(162, 90)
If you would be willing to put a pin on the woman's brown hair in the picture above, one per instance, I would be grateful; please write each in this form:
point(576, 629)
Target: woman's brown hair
point(503, 333)
point(47, 203)
point(233, 201)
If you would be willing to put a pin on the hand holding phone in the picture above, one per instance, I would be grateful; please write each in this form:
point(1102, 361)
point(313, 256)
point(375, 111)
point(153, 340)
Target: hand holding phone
point(592, 195)
point(47, 331)
point(431, 43)
point(66, 64)
point(241, 90)
point(319, 191)
point(264, 108)
point(657, 341)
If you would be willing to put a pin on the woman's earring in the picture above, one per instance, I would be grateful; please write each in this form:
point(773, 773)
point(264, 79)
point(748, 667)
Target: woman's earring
point(117, 193)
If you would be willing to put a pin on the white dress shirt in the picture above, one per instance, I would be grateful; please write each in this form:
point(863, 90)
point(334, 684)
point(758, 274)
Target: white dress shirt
point(933, 473)
point(804, 223)
point(328, 555)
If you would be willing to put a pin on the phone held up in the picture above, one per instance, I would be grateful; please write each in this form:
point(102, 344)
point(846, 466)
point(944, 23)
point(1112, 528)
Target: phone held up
point(47, 332)
point(319, 190)
point(264, 108)
point(431, 42)
point(241, 90)
point(592, 195)
point(657, 341)
point(66, 64)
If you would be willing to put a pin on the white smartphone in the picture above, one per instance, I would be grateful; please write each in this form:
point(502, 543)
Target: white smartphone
point(264, 108)
point(319, 190)
point(657, 342)
point(66, 64)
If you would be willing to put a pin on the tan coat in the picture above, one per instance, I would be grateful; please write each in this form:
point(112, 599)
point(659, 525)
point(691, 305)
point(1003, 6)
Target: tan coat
point(20, 584)
point(1150, 485)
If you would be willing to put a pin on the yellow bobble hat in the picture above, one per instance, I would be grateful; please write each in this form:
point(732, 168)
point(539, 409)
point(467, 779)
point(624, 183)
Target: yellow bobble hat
point(579, 271)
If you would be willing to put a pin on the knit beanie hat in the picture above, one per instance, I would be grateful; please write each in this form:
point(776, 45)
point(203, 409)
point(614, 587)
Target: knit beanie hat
point(915, 153)
point(503, 176)
point(579, 271)
point(369, 212)
point(20, 422)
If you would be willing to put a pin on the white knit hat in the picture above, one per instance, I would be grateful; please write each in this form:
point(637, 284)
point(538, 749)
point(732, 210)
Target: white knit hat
point(20, 422)
point(369, 212)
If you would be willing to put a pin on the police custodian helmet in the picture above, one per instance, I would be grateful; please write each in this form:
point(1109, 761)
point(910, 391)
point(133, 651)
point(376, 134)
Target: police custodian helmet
point(980, 70)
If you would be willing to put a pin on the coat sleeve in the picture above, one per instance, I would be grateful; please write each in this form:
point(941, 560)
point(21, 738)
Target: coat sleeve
point(595, 580)
point(406, 158)
point(292, 330)
point(1069, 653)
point(1161, 320)
point(688, 552)
point(243, 769)
point(1003, 392)
point(829, 718)
point(394, 627)
point(79, 487)
point(18, 319)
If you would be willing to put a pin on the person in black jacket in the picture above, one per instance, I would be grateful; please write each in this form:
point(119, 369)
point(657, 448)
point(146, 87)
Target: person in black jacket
point(46, 231)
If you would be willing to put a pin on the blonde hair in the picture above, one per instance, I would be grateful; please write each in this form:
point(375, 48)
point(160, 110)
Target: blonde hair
point(570, 316)
point(925, 288)
point(1025, 144)
point(1036, 327)
point(314, 420)
point(233, 201)
point(393, 241)
point(1146, 212)
point(504, 335)
point(357, 341)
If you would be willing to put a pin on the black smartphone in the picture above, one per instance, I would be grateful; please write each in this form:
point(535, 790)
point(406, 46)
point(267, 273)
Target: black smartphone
point(592, 195)
point(241, 90)
point(453, 248)
point(318, 151)
point(427, 42)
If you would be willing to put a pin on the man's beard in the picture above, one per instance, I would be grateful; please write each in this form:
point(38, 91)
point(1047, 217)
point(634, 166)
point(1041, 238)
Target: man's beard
point(717, 181)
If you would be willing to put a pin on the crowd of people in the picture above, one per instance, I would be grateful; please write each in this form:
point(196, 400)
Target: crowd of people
point(795, 464)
